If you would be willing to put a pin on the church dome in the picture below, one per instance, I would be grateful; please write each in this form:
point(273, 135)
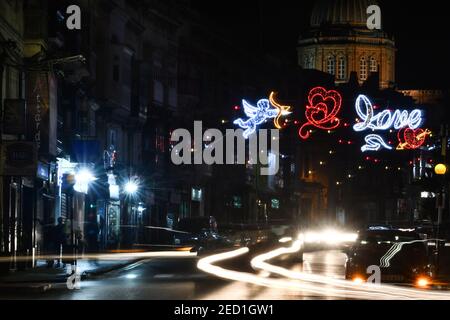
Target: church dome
point(341, 12)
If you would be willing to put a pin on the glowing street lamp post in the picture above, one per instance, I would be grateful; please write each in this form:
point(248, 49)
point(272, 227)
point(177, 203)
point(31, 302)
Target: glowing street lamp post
point(83, 178)
point(440, 170)
point(131, 189)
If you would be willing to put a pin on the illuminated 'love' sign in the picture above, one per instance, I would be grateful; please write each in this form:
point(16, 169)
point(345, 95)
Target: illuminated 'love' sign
point(385, 120)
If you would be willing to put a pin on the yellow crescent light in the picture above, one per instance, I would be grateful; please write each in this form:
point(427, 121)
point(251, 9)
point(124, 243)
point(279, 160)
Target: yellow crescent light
point(282, 110)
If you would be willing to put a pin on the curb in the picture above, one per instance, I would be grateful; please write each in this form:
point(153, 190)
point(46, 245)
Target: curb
point(23, 288)
point(88, 274)
point(62, 278)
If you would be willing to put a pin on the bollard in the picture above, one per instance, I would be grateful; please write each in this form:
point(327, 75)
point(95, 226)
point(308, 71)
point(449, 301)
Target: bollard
point(33, 257)
point(60, 254)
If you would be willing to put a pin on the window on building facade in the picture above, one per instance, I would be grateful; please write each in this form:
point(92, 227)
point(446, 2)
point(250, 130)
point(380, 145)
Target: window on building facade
point(114, 39)
point(158, 92)
point(308, 61)
point(160, 145)
point(92, 122)
point(342, 68)
point(373, 65)
point(127, 62)
point(159, 141)
point(311, 62)
point(363, 69)
point(116, 69)
point(112, 137)
point(331, 65)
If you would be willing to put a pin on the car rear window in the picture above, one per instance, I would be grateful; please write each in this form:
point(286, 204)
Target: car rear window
point(193, 225)
point(388, 236)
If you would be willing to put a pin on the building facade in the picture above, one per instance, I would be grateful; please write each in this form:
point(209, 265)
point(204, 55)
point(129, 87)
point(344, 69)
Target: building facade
point(338, 42)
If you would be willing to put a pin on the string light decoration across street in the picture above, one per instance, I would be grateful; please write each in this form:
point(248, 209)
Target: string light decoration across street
point(322, 111)
point(407, 122)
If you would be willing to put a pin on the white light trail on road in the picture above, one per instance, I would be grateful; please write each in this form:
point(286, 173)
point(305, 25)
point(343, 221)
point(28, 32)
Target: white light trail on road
point(309, 283)
point(285, 240)
point(365, 290)
point(385, 261)
point(207, 265)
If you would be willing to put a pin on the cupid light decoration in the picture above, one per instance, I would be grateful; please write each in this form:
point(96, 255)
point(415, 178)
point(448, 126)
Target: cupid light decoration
point(282, 110)
point(321, 111)
point(385, 120)
point(257, 115)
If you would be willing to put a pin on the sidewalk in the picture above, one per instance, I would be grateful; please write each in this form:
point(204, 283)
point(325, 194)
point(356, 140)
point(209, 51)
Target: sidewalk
point(41, 274)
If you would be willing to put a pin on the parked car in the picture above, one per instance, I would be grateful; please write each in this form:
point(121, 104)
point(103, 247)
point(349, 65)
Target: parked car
point(201, 233)
point(402, 257)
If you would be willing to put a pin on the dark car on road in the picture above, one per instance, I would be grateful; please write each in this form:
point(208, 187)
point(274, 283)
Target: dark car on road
point(401, 255)
point(201, 233)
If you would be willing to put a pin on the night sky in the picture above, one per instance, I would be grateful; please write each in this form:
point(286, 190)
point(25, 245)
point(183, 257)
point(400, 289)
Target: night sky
point(422, 32)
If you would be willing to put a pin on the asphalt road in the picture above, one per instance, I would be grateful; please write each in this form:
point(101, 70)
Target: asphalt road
point(179, 278)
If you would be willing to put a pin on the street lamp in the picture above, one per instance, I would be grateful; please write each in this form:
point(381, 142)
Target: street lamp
point(440, 169)
point(131, 187)
point(82, 180)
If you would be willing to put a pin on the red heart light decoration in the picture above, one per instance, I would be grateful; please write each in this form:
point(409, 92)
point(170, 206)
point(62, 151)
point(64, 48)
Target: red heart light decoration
point(322, 110)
